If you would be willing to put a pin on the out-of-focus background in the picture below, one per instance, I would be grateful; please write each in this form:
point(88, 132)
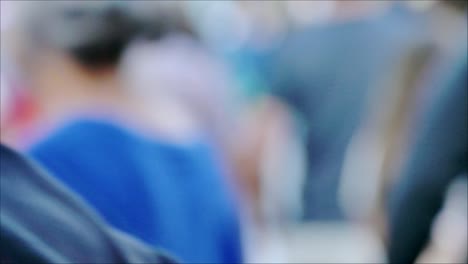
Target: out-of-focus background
point(312, 108)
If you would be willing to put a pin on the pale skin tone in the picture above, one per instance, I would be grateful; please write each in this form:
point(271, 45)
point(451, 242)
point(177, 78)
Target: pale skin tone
point(63, 88)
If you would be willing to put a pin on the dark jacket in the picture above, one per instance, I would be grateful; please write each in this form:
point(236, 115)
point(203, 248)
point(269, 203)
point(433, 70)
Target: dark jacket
point(438, 156)
point(43, 222)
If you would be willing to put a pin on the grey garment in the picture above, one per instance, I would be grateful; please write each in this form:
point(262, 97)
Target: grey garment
point(438, 156)
point(43, 222)
point(326, 74)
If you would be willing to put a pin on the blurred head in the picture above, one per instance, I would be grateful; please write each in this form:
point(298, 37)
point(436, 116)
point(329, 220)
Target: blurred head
point(70, 53)
point(93, 33)
point(74, 48)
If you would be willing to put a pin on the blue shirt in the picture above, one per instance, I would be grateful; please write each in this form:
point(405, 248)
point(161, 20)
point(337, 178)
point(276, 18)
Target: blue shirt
point(171, 196)
point(41, 221)
point(326, 73)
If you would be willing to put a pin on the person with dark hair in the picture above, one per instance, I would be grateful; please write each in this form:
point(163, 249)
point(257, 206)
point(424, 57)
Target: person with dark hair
point(44, 222)
point(439, 155)
point(140, 161)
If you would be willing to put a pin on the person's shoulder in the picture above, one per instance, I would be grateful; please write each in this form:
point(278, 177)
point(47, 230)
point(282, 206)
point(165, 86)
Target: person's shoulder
point(73, 221)
point(81, 134)
point(89, 128)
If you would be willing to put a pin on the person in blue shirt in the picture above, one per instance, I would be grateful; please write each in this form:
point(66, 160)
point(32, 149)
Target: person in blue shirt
point(325, 73)
point(145, 168)
point(42, 221)
point(168, 195)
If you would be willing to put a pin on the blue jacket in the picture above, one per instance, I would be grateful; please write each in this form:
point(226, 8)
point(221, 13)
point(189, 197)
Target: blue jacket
point(171, 196)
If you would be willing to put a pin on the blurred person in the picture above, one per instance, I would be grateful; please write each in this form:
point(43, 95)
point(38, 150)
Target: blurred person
point(436, 158)
point(325, 72)
point(262, 150)
point(44, 222)
point(262, 122)
point(373, 152)
point(179, 68)
point(377, 149)
point(270, 159)
point(138, 159)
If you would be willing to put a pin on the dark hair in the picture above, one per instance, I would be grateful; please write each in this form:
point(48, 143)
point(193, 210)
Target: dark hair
point(97, 35)
point(118, 29)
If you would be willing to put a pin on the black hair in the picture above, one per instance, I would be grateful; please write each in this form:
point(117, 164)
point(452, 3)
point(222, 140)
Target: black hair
point(118, 28)
point(106, 49)
point(97, 36)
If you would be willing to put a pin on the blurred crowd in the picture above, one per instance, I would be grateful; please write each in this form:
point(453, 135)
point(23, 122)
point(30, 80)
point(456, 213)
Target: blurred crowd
point(235, 131)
